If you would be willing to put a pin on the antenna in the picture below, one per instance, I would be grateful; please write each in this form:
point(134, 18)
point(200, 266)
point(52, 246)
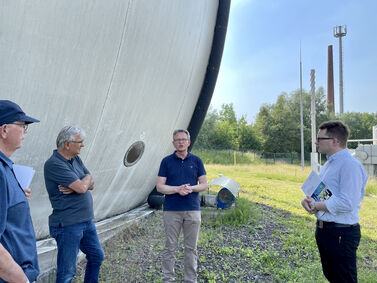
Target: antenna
point(301, 117)
point(339, 32)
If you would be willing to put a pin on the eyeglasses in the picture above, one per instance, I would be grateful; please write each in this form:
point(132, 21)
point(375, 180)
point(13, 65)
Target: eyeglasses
point(180, 140)
point(324, 138)
point(25, 126)
point(77, 141)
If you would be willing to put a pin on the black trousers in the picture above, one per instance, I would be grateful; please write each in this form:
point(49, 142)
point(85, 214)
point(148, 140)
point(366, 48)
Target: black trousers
point(337, 247)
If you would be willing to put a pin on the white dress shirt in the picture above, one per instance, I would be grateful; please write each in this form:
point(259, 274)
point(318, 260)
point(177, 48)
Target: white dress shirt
point(345, 177)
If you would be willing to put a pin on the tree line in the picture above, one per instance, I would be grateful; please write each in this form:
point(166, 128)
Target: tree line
point(277, 125)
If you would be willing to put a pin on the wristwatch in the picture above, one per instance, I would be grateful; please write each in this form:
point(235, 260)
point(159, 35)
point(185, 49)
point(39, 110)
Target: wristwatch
point(312, 205)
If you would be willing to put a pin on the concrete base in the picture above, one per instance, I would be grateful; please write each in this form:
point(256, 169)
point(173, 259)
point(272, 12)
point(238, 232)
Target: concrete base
point(208, 200)
point(106, 229)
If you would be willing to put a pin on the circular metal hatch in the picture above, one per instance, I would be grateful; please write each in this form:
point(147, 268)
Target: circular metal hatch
point(134, 153)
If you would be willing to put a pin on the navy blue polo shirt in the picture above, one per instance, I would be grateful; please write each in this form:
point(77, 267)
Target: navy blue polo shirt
point(71, 208)
point(178, 172)
point(16, 228)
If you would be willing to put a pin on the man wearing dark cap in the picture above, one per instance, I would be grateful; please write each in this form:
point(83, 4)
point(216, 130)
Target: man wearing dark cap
point(18, 252)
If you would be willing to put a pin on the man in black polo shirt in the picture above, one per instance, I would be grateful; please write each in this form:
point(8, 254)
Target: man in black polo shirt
point(68, 184)
point(178, 179)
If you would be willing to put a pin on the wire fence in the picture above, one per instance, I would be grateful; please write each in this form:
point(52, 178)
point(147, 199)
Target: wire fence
point(212, 156)
point(283, 157)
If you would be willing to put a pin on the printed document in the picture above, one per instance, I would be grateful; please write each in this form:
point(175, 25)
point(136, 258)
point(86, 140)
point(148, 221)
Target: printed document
point(314, 187)
point(24, 175)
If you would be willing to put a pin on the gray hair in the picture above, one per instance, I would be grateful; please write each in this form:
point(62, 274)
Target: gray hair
point(68, 133)
point(181, 131)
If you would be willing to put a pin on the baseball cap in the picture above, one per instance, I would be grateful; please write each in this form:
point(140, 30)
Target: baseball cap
point(10, 112)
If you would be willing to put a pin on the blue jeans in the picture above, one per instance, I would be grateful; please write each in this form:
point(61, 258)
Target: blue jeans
point(70, 239)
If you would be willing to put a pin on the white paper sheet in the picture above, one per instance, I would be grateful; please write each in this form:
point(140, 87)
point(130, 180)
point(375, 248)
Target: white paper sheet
point(24, 175)
point(311, 183)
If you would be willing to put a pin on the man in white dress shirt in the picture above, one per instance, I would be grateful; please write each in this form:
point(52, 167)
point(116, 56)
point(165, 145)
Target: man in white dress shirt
point(338, 232)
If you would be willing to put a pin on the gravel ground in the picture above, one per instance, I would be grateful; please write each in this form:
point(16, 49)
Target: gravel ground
point(225, 253)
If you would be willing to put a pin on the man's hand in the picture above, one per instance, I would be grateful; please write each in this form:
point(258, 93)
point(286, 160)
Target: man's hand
point(184, 189)
point(65, 190)
point(306, 204)
point(28, 193)
point(91, 181)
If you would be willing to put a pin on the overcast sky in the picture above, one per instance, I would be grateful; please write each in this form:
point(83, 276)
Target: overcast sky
point(261, 57)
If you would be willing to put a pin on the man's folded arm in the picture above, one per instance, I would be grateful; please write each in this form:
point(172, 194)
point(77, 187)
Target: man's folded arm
point(81, 186)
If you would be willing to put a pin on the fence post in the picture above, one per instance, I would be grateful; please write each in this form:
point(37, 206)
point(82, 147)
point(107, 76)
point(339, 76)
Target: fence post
point(235, 159)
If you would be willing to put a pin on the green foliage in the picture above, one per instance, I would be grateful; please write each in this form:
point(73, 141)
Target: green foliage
point(223, 131)
point(243, 213)
point(360, 124)
point(204, 139)
point(211, 156)
point(277, 125)
point(247, 136)
point(224, 135)
point(206, 238)
point(371, 187)
point(227, 114)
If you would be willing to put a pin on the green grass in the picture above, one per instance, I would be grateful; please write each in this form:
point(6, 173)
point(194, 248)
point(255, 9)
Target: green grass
point(266, 237)
point(243, 213)
point(227, 156)
point(371, 187)
point(278, 186)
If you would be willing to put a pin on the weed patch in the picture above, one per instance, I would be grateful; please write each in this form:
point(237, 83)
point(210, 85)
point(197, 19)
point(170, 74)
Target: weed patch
point(243, 213)
point(371, 187)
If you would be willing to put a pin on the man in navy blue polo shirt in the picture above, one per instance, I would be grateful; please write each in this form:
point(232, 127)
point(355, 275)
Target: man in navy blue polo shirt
point(18, 251)
point(68, 183)
point(178, 179)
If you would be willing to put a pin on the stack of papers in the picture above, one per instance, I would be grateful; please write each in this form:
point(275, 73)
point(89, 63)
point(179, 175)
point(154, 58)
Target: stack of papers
point(315, 188)
point(24, 175)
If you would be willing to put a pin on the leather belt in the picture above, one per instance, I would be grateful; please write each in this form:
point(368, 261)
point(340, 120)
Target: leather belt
point(323, 224)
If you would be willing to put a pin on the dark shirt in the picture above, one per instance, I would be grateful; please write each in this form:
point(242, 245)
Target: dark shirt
point(178, 172)
point(16, 228)
point(68, 209)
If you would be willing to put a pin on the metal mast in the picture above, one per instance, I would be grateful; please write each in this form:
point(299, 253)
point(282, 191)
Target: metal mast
point(314, 154)
point(339, 32)
point(301, 118)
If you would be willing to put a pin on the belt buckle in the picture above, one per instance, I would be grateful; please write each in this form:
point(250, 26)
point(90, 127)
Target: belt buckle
point(320, 224)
